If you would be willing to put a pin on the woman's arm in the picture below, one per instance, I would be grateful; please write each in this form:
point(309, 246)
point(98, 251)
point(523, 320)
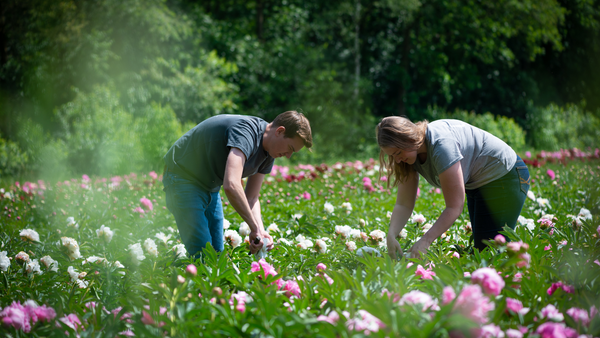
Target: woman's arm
point(405, 203)
point(453, 188)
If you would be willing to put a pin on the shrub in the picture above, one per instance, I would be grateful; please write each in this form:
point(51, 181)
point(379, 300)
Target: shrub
point(555, 127)
point(502, 127)
point(13, 160)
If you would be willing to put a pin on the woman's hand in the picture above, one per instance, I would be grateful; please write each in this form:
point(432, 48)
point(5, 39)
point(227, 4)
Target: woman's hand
point(419, 248)
point(393, 247)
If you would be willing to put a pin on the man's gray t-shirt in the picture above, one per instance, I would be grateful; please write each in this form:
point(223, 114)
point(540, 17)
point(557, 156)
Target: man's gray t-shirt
point(201, 154)
point(483, 157)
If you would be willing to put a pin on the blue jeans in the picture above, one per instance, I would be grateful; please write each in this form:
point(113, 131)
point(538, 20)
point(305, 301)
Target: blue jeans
point(198, 213)
point(498, 203)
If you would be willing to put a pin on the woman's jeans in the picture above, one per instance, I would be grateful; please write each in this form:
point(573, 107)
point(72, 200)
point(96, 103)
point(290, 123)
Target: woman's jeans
point(198, 213)
point(498, 203)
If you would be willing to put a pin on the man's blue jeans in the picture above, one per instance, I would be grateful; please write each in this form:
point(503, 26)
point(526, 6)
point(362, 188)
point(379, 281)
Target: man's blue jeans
point(198, 213)
point(498, 203)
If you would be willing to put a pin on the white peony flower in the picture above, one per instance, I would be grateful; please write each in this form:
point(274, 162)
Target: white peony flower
point(403, 234)
point(388, 214)
point(95, 259)
point(150, 247)
point(244, 229)
point(351, 245)
point(273, 228)
point(71, 223)
point(528, 222)
point(284, 241)
point(50, 263)
point(233, 238)
point(29, 235)
point(33, 266)
point(377, 235)
point(297, 216)
point(163, 238)
point(226, 224)
point(300, 238)
point(136, 252)
point(76, 277)
point(347, 206)
point(418, 218)
point(320, 246)
point(105, 233)
point(72, 247)
point(426, 227)
point(343, 230)
point(22, 256)
point(180, 250)
point(354, 233)
point(4, 261)
point(585, 214)
point(328, 207)
point(531, 195)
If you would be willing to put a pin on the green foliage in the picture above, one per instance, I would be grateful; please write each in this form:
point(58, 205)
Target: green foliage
point(13, 160)
point(502, 127)
point(555, 127)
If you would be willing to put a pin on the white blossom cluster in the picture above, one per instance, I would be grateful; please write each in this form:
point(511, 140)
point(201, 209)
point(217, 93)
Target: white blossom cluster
point(150, 247)
point(4, 261)
point(50, 263)
point(29, 235)
point(136, 252)
point(105, 233)
point(72, 247)
point(233, 238)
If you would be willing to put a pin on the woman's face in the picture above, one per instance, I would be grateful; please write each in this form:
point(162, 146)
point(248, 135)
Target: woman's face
point(399, 155)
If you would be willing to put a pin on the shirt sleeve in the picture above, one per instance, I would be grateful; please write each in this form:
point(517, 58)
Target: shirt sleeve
point(267, 166)
point(446, 153)
point(241, 136)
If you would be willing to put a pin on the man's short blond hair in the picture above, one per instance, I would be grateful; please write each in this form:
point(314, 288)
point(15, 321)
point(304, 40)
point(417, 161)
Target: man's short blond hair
point(296, 124)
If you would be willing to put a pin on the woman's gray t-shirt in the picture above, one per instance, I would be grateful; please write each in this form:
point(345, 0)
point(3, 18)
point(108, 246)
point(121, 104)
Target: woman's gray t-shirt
point(483, 157)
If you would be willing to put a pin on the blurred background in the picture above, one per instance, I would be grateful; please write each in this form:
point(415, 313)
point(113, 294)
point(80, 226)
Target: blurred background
point(104, 87)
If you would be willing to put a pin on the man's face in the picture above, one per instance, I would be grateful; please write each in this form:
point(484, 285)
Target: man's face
point(283, 146)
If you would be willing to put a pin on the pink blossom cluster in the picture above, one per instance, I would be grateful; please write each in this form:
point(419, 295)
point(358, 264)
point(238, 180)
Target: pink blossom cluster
point(368, 185)
point(23, 317)
point(364, 322)
point(489, 280)
point(146, 204)
point(560, 285)
point(424, 273)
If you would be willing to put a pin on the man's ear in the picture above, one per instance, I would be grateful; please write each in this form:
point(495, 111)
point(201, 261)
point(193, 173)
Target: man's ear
point(280, 130)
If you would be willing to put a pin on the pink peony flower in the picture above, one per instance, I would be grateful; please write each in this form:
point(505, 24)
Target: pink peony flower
point(551, 174)
point(292, 288)
point(560, 285)
point(418, 297)
point(555, 330)
point(146, 203)
point(515, 306)
point(139, 209)
point(528, 154)
point(321, 267)
point(491, 331)
point(489, 280)
point(266, 267)
point(424, 273)
point(579, 315)
point(524, 260)
point(239, 300)
point(306, 195)
point(500, 240)
point(448, 295)
point(153, 174)
point(365, 322)
point(550, 312)
point(472, 303)
point(332, 318)
point(71, 321)
point(192, 270)
point(512, 333)
point(17, 316)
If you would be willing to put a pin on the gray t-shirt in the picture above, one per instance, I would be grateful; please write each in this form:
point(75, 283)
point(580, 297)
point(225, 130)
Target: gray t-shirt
point(201, 154)
point(483, 157)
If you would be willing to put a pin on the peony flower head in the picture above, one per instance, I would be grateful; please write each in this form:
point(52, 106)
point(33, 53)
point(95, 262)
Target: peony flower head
point(421, 298)
point(4, 261)
point(268, 269)
point(489, 280)
point(328, 207)
point(71, 223)
point(424, 273)
point(29, 235)
point(418, 218)
point(351, 246)
point(551, 312)
point(22, 257)
point(105, 233)
point(472, 303)
point(320, 246)
point(71, 247)
point(136, 252)
point(233, 238)
point(146, 204)
point(150, 247)
point(244, 229)
point(552, 330)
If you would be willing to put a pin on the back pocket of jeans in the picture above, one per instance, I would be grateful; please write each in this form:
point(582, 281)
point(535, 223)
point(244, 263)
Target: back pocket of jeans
point(524, 178)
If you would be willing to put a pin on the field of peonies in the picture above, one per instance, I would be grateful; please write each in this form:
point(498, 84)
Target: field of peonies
point(102, 257)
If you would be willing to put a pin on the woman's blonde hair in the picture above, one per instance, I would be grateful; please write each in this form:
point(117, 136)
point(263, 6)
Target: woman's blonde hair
point(398, 132)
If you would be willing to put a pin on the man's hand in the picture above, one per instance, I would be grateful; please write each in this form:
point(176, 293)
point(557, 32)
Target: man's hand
point(419, 248)
point(393, 247)
point(255, 245)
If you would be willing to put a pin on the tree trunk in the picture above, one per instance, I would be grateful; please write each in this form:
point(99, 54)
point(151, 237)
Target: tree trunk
point(356, 49)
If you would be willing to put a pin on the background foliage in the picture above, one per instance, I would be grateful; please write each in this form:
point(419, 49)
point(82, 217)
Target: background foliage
point(69, 67)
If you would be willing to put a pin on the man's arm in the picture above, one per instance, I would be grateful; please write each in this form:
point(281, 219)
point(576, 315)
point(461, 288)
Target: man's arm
point(232, 184)
point(252, 193)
